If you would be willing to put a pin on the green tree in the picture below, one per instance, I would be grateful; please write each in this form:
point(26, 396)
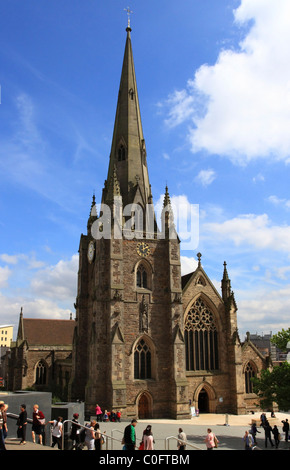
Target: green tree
point(273, 386)
point(281, 339)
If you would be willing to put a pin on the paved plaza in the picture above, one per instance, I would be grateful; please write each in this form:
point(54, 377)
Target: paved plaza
point(229, 429)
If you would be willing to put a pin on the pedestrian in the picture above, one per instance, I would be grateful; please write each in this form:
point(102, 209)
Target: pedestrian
point(211, 440)
point(248, 441)
point(263, 419)
point(5, 427)
point(268, 430)
point(286, 429)
point(148, 438)
point(254, 431)
point(75, 432)
point(129, 439)
point(118, 416)
point(276, 435)
point(57, 432)
point(38, 422)
point(181, 439)
point(99, 438)
point(2, 441)
point(22, 424)
point(90, 435)
point(99, 413)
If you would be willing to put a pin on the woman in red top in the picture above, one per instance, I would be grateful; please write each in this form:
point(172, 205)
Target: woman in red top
point(37, 424)
point(99, 413)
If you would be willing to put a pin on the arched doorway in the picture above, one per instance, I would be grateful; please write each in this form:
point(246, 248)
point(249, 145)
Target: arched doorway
point(203, 401)
point(144, 406)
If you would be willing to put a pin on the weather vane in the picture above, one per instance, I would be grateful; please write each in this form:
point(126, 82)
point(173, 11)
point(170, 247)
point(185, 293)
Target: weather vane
point(128, 13)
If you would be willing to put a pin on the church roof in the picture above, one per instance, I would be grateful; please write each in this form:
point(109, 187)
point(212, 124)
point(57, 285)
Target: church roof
point(46, 332)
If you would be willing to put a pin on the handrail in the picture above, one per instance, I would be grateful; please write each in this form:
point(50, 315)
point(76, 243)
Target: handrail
point(104, 435)
point(180, 440)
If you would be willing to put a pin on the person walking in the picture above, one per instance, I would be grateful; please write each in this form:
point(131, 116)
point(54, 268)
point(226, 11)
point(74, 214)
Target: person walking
point(254, 431)
point(38, 421)
point(22, 424)
point(210, 440)
point(276, 435)
point(4, 415)
point(285, 429)
point(248, 441)
point(75, 432)
point(129, 438)
point(181, 439)
point(99, 413)
point(2, 440)
point(268, 430)
point(148, 438)
point(99, 438)
point(57, 432)
point(90, 435)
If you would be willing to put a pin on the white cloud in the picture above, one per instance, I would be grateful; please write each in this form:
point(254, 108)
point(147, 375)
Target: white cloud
point(9, 259)
point(206, 177)
point(46, 292)
point(264, 310)
point(252, 230)
point(4, 275)
point(58, 282)
point(180, 104)
point(240, 106)
point(259, 178)
point(279, 202)
point(186, 219)
point(188, 264)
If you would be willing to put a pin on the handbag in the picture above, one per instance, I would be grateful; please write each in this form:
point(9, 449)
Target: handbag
point(215, 441)
point(41, 421)
point(141, 446)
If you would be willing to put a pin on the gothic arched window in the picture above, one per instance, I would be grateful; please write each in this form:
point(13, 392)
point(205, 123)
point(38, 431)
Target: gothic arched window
point(142, 277)
point(41, 373)
point(142, 361)
point(201, 338)
point(250, 372)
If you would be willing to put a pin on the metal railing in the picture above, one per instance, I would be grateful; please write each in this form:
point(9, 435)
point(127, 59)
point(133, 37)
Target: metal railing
point(110, 440)
point(186, 443)
point(105, 436)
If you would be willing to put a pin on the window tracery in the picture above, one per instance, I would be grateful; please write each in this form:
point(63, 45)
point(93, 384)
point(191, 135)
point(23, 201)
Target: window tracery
point(201, 338)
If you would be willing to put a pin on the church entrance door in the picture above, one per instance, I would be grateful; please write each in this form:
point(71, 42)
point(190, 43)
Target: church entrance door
point(203, 401)
point(144, 407)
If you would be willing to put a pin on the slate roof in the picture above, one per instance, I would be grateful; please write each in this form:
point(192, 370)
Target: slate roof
point(48, 332)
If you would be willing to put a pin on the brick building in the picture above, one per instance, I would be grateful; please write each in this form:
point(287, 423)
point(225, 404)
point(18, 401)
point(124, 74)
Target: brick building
point(40, 358)
point(148, 341)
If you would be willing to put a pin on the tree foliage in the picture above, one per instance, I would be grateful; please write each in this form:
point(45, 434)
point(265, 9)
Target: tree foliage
point(273, 386)
point(281, 339)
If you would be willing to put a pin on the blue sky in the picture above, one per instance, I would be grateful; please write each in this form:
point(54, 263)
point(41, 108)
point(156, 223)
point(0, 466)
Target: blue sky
point(214, 89)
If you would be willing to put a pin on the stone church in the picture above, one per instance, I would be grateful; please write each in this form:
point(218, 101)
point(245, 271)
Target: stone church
point(148, 341)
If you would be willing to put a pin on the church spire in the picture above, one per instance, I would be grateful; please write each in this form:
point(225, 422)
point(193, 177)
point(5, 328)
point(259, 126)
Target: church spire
point(226, 284)
point(128, 151)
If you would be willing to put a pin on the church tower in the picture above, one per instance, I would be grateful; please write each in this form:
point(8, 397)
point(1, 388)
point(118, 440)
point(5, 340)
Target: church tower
point(128, 351)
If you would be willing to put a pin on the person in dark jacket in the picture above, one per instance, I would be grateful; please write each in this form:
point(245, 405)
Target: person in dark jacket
point(268, 430)
point(130, 435)
point(286, 429)
point(75, 432)
point(276, 435)
point(22, 423)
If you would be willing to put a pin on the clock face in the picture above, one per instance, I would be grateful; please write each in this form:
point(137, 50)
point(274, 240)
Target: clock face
point(91, 251)
point(143, 249)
